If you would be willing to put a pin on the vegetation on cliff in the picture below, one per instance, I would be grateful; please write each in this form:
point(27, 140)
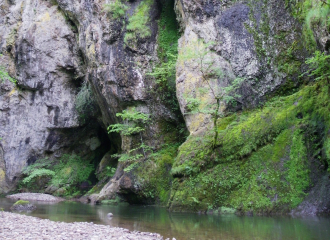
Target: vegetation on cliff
point(63, 177)
point(262, 159)
point(265, 159)
point(5, 76)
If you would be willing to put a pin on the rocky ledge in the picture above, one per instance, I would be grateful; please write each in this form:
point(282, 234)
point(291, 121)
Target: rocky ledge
point(16, 226)
point(35, 197)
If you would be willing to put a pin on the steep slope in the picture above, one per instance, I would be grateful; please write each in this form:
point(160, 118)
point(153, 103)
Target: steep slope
point(265, 160)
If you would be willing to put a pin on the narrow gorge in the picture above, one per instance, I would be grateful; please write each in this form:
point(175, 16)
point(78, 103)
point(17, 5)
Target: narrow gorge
point(196, 105)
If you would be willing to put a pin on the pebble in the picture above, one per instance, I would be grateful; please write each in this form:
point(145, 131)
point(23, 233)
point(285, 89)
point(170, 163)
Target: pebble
point(20, 227)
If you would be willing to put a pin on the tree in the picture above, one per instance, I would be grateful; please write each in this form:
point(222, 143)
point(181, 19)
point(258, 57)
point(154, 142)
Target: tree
point(200, 53)
point(133, 123)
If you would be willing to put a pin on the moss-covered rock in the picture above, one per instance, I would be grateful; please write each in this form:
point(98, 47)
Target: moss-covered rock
point(264, 159)
point(22, 205)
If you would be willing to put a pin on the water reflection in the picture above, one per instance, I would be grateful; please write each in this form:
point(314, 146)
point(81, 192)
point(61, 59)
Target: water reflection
point(186, 225)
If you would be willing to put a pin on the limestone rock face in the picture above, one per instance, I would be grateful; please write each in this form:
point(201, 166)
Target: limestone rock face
point(117, 70)
point(243, 39)
point(37, 113)
point(51, 47)
point(264, 45)
point(244, 51)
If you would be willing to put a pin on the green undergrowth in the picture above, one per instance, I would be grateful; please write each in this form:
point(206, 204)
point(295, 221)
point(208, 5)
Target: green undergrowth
point(314, 14)
point(164, 72)
point(137, 26)
point(154, 175)
point(63, 175)
point(116, 9)
point(260, 163)
point(85, 104)
point(5, 76)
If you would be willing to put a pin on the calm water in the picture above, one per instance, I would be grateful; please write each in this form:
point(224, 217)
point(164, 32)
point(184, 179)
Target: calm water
point(186, 225)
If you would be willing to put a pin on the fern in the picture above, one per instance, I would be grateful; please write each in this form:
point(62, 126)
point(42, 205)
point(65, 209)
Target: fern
point(116, 8)
point(137, 23)
point(69, 171)
point(133, 123)
point(320, 64)
point(85, 103)
point(41, 172)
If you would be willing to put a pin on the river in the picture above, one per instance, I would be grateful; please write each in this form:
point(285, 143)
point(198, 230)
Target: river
point(185, 225)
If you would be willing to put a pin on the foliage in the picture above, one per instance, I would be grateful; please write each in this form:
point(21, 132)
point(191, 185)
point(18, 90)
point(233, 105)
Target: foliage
point(110, 171)
point(71, 170)
point(68, 172)
point(5, 76)
point(85, 103)
point(200, 54)
point(154, 174)
point(138, 23)
point(37, 173)
point(260, 163)
point(320, 65)
point(116, 8)
point(134, 122)
point(164, 72)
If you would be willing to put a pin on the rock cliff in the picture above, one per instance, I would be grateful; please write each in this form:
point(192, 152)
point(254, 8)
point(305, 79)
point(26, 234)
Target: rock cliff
point(53, 48)
point(231, 59)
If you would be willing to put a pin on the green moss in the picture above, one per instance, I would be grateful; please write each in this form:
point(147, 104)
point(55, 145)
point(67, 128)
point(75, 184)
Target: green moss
point(164, 72)
point(115, 201)
point(261, 162)
point(224, 122)
point(115, 9)
point(65, 174)
point(138, 23)
point(21, 202)
point(5, 76)
point(313, 14)
point(154, 176)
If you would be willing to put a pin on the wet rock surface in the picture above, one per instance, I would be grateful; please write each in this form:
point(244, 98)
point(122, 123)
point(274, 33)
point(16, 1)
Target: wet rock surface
point(28, 207)
point(16, 226)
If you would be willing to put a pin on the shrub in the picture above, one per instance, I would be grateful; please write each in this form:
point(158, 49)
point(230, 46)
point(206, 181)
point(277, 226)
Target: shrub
point(116, 8)
point(37, 173)
point(69, 172)
point(320, 65)
point(85, 103)
point(137, 23)
point(134, 122)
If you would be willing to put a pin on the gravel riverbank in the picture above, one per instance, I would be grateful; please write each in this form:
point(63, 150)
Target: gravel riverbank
point(35, 197)
point(15, 227)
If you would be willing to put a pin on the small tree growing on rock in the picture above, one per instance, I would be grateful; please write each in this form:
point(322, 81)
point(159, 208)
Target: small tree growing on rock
point(133, 123)
point(200, 54)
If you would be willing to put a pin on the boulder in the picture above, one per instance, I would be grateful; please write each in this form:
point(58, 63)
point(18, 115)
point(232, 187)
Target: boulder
point(23, 206)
